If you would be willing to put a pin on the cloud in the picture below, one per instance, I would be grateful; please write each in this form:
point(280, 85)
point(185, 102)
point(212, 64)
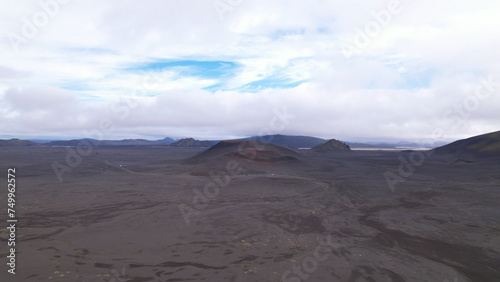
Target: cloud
point(195, 74)
point(10, 73)
point(42, 98)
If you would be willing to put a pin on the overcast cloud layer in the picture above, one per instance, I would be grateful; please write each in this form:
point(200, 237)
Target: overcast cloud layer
point(351, 70)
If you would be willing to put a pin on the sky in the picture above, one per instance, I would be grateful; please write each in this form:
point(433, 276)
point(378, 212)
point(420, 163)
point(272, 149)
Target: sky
point(351, 70)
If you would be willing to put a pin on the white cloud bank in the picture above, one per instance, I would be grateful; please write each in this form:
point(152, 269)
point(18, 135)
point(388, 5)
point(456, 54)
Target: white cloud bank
point(419, 72)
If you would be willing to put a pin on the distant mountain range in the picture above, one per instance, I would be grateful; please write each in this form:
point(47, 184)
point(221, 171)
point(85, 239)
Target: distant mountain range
point(287, 141)
point(105, 143)
point(291, 142)
point(17, 142)
point(483, 144)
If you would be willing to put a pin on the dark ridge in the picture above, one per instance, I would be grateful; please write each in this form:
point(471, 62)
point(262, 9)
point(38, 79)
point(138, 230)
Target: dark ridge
point(486, 145)
point(288, 141)
point(331, 146)
point(252, 151)
point(17, 142)
point(192, 143)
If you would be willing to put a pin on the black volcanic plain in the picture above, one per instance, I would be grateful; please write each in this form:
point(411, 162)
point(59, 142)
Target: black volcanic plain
point(249, 211)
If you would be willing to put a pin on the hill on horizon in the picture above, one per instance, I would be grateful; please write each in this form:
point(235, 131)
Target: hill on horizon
point(250, 150)
point(288, 141)
point(485, 145)
point(251, 157)
point(17, 142)
point(166, 140)
point(331, 145)
point(191, 142)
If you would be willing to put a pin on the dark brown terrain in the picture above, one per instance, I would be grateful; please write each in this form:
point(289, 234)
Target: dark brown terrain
point(247, 211)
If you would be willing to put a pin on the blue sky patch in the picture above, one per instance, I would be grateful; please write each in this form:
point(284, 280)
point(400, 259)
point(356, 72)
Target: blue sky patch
point(287, 32)
point(417, 80)
point(220, 71)
point(270, 82)
point(203, 69)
